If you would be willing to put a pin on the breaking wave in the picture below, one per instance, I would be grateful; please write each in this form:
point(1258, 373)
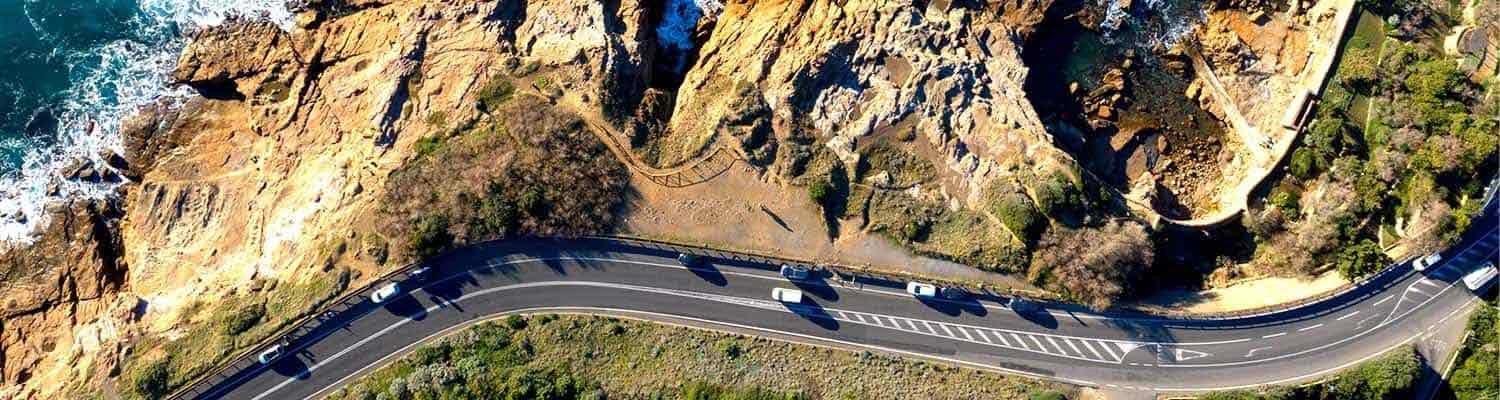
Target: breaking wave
point(106, 81)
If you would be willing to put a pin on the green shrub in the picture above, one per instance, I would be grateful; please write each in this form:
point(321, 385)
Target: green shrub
point(1047, 395)
point(1361, 259)
point(494, 94)
point(1304, 164)
point(730, 348)
point(1287, 202)
point(152, 380)
point(515, 322)
point(1058, 194)
point(818, 191)
point(1018, 214)
point(428, 145)
point(430, 236)
point(242, 319)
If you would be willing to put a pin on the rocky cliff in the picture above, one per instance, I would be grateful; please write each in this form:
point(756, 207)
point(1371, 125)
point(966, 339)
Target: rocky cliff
point(264, 179)
point(841, 71)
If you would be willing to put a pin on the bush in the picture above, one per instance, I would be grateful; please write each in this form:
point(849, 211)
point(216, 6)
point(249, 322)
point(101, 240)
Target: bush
point(1361, 259)
point(428, 145)
point(1058, 194)
point(1286, 201)
point(730, 348)
point(1305, 164)
point(1047, 395)
point(515, 322)
point(1018, 214)
point(818, 192)
point(430, 236)
point(151, 381)
point(495, 94)
point(243, 319)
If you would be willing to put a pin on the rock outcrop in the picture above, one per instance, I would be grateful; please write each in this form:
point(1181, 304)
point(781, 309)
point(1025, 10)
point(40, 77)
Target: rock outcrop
point(296, 134)
point(840, 71)
point(293, 136)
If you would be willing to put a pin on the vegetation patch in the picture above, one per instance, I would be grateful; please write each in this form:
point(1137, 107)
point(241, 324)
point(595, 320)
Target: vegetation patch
point(902, 168)
point(1094, 265)
point(528, 170)
point(578, 357)
point(1390, 377)
point(930, 229)
point(1418, 166)
point(1478, 362)
point(209, 333)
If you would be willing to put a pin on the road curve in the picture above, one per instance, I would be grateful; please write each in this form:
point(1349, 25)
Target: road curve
point(731, 292)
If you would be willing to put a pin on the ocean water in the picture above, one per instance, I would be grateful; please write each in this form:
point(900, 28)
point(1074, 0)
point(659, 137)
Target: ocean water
point(71, 71)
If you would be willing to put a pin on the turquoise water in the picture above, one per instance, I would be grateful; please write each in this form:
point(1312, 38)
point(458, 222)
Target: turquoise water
point(71, 71)
point(50, 48)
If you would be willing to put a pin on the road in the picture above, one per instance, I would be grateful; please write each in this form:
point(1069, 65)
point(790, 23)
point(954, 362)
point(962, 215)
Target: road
point(1111, 351)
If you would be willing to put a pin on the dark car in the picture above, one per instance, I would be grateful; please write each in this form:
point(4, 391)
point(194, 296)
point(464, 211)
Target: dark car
point(794, 271)
point(953, 293)
point(687, 260)
point(1021, 305)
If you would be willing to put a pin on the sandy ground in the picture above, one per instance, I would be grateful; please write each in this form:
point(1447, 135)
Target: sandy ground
point(1250, 294)
point(741, 210)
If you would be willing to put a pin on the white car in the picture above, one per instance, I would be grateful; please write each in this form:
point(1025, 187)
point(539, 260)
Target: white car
point(1421, 264)
point(785, 295)
point(920, 289)
point(271, 355)
point(385, 293)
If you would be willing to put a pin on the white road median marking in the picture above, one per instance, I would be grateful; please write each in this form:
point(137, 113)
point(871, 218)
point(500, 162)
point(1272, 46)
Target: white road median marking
point(1382, 301)
point(1310, 328)
point(1273, 335)
point(1252, 351)
point(1356, 312)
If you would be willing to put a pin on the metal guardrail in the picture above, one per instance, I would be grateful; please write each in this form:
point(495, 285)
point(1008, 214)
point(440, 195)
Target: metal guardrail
point(291, 332)
point(843, 274)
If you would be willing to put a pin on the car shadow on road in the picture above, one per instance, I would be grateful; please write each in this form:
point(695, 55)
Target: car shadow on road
point(709, 273)
point(406, 306)
point(291, 367)
point(955, 307)
point(817, 285)
point(810, 310)
point(1038, 316)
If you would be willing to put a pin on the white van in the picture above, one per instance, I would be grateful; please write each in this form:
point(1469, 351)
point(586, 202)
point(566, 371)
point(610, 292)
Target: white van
point(1480, 277)
point(785, 295)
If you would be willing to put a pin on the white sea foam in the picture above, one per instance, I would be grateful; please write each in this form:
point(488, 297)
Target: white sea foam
point(1162, 23)
point(129, 74)
point(679, 20)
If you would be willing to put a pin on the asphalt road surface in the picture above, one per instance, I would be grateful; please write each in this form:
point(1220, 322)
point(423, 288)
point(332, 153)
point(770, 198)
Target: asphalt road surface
point(1111, 351)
